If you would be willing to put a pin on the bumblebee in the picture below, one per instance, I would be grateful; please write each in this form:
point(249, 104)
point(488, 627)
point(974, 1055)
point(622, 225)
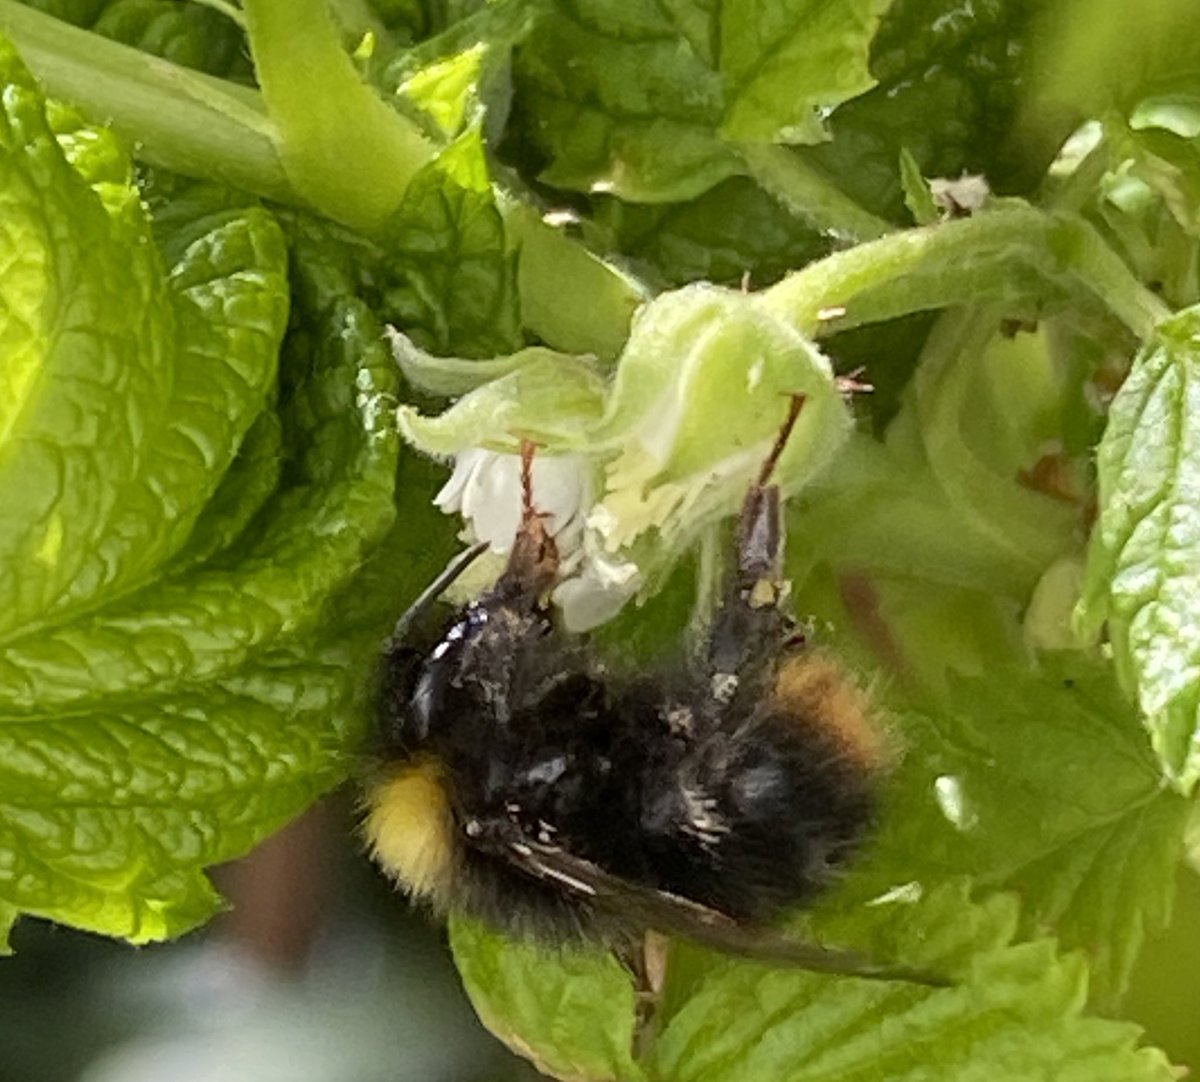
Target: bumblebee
point(523, 783)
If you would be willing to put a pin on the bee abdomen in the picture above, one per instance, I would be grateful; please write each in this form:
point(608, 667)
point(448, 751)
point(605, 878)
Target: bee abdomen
point(756, 822)
point(813, 690)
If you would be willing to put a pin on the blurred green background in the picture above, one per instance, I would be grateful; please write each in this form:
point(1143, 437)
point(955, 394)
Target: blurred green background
point(318, 973)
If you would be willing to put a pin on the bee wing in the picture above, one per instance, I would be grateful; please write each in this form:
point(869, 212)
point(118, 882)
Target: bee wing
point(669, 913)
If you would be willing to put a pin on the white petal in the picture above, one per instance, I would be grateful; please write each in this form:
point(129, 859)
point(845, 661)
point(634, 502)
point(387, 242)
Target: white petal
point(486, 489)
point(596, 594)
point(450, 497)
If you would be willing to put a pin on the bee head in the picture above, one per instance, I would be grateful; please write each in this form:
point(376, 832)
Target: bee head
point(532, 570)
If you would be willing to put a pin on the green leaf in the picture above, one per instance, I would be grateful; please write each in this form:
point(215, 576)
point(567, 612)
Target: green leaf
point(1093, 56)
point(631, 98)
point(1177, 113)
point(787, 63)
point(421, 542)
point(450, 280)
point(975, 443)
point(470, 263)
point(110, 816)
point(246, 486)
point(1043, 785)
point(155, 372)
point(8, 917)
point(463, 70)
point(54, 502)
point(157, 736)
point(231, 283)
point(810, 194)
point(879, 509)
point(1143, 572)
point(1109, 914)
point(333, 506)
point(1162, 995)
point(1015, 1015)
point(624, 103)
point(594, 314)
point(572, 1012)
point(188, 34)
point(733, 230)
point(77, 12)
point(446, 89)
point(1169, 163)
point(949, 83)
point(101, 160)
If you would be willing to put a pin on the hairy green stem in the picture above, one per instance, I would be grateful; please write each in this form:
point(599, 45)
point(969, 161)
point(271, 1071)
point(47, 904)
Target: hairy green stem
point(1014, 255)
point(176, 118)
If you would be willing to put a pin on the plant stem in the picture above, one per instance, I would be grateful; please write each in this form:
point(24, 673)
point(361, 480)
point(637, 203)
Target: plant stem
point(176, 118)
point(1012, 256)
point(1101, 270)
point(349, 153)
point(204, 127)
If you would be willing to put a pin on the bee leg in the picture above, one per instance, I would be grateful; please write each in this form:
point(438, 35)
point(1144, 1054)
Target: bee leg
point(646, 960)
point(532, 568)
point(751, 624)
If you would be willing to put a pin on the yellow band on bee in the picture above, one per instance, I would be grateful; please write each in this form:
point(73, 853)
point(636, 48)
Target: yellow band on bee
point(410, 829)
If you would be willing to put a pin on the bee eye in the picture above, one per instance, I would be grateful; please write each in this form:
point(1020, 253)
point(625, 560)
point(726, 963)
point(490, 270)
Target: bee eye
point(435, 677)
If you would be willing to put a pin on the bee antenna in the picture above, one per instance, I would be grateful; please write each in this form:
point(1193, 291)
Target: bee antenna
point(768, 467)
point(454, 569)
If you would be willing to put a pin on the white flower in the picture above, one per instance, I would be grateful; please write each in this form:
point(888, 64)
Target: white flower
point(633, 464)
point(597, 591)
point(485, 488)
